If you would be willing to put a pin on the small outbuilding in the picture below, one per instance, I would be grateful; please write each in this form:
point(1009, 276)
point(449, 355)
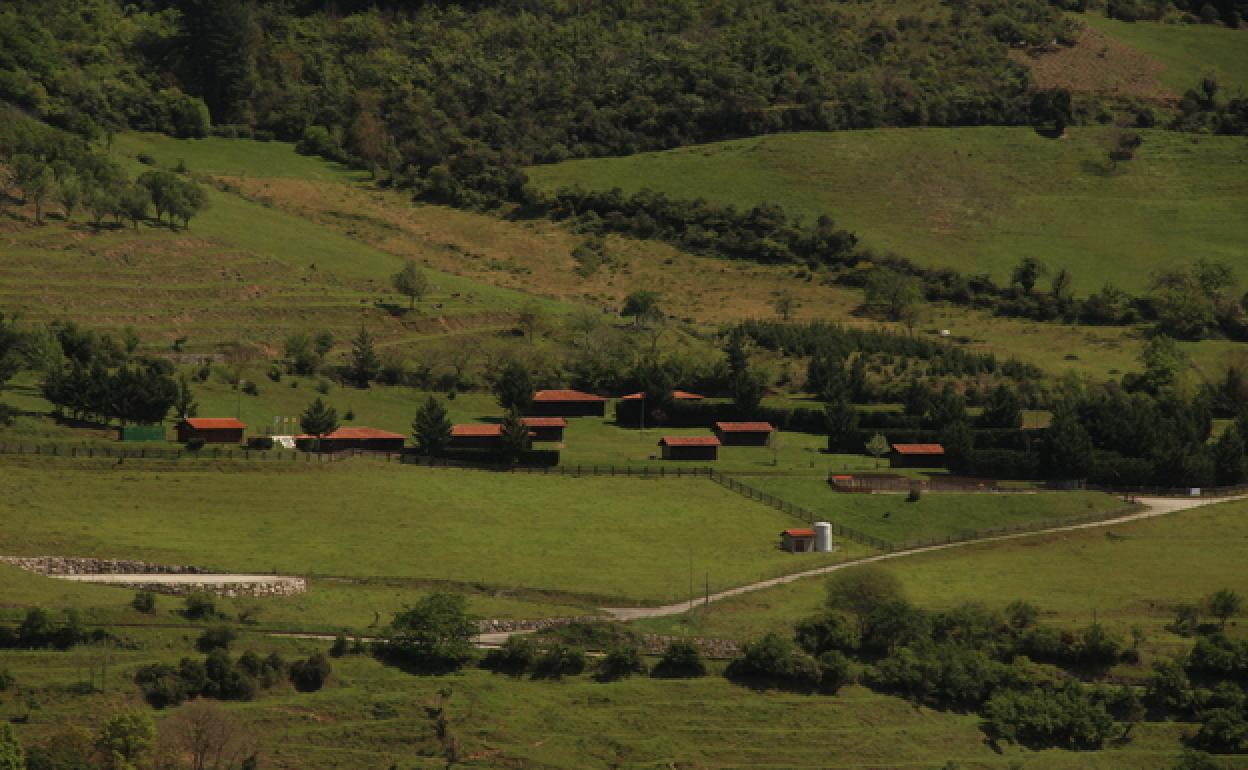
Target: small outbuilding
point(211, 430)
point(744, 433)
point(363, 438)
point(677, 395)
point(917, 456)
point(476, 436)
point(545, 429)
point(567, 403)
point(690, 447)
point(798, 540)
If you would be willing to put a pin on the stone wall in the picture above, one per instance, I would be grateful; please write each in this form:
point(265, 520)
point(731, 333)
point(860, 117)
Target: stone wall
point(65, 565)
point(277, 587)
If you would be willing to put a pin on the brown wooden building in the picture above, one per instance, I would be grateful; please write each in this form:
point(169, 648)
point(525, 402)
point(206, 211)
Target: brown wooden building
point(212, 430)
point(367, 439)
point(545, 429)
point(677, 395)
point(744, 433)
point(476, 436)
point(567, 403)
point(798, 540)
point(690, 447)
point(917, 456)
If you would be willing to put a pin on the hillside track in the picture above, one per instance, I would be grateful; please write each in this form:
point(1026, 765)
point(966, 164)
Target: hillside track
point(1153, 506)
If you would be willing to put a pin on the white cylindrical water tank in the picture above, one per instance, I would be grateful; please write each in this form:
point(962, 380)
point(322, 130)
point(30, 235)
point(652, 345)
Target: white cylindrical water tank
point(823, 537)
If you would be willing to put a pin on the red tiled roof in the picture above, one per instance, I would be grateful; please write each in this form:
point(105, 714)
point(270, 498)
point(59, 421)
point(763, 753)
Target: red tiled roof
point(744, 427)
point(565, 395)
point(688, 441)
point(544, 422)
point(842, 477)
point(343, 434)
point(679, 395)
point(799, 532)
point(918, 449)
point(485, 430)
point(214, 423)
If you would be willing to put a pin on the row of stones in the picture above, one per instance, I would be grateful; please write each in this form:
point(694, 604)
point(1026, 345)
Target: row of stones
point(63, 565)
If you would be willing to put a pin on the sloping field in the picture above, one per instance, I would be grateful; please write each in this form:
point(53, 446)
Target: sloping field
point(1188, 52)
point(626, 538)
point(243, 271)
point(1130, 574)
point(975, 199)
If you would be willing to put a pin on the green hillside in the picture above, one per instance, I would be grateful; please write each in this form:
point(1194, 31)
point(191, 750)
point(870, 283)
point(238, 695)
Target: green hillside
point(975, 199)
point(1188, 51)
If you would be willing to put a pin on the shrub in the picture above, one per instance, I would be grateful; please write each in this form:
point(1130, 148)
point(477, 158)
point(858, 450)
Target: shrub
point(6, 679)
point(620, 662)
point(340, 646)
point(558, 661)
point(1068, 718)
point(434, 635)
point(260, 443)
point(195, 444)
point(144, 601)
point(251, 388)
point(827, 631)
point(777, 661)
point(215, 638)
point(681, 660)
point(515, 656)
point(201, 606)
point(310, 675)
point(835, 671)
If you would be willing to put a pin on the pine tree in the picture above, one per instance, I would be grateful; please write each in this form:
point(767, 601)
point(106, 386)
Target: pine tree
point(365, 364)
point(1067, 451)
point(319, 419)
point(515, 441)
point(842, 421)
point(514, 387)
point(186, 405)
point(432, 428)
point(1228, 456)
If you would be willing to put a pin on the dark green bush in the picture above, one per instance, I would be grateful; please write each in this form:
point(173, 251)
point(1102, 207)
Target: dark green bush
point(559, 660)
point(681, 660)
point(310, 675)
point(144, 601)
point(515, 656)
point(776, 661)
point(620, 662)
point(215, 638)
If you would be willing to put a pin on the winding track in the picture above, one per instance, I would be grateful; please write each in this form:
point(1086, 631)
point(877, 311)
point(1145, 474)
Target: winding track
point(1153, 506)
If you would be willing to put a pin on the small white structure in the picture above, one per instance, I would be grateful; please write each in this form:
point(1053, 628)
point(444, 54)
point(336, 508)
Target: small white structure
point(823, 537)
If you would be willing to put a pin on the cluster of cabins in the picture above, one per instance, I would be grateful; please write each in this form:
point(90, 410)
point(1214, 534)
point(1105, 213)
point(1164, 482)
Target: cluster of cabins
point(547, 421)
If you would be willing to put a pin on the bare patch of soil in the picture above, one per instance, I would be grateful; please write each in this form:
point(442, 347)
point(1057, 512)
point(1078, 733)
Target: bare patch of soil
point(1098, 64)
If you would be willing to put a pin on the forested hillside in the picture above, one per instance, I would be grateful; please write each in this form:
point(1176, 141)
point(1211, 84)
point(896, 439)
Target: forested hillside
point(475, 89)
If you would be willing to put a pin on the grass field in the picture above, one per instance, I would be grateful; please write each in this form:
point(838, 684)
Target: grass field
point(976, 199)
point(1126, 575)
point(1188, 52)
point(372, 716)
point(618, 539)
point(244, 271)
point(936, 515)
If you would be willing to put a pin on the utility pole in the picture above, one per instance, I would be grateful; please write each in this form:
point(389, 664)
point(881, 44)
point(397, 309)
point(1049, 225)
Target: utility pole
point(691, 594)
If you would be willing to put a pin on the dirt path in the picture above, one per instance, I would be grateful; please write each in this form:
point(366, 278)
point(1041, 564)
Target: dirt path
point(1153, 506)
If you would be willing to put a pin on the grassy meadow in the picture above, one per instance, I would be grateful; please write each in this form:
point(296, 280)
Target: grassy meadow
point(974, 199)
point(1126, 575)
point(624, 540)
point(373, 716)
point(1188, 52)
point(935, 515)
